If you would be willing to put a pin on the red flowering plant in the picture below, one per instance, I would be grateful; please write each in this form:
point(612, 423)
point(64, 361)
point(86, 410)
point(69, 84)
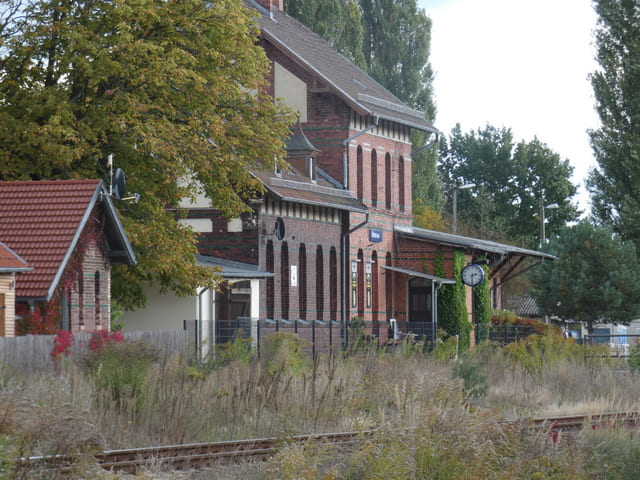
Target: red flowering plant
point(42, 320)
point(62, 344)
point(100, 338)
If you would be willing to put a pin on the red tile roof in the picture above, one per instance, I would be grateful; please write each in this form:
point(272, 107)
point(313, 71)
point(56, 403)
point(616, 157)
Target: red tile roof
point(10, 261)
point(39, 221)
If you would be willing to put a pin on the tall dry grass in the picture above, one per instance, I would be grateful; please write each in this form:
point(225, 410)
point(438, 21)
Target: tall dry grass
point(435, 417)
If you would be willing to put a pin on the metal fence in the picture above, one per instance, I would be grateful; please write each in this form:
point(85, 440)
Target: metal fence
point(620, 345)
point(317, 336)
point(502, 334)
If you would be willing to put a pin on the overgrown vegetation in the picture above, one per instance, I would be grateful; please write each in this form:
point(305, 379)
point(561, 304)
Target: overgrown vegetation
point(435, 416)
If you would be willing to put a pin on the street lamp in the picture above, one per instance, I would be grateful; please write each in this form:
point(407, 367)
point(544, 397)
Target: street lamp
point(466, 186)
point(542, 209)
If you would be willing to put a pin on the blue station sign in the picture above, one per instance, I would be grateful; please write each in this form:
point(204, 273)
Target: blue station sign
point(375, 235)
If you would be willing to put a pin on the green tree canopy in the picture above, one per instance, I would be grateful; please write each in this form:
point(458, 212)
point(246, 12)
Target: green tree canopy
point(337, 21)
point(615, 185)
point(510, 181)
point(396, 47)
point(172, 88)
point(595, 279)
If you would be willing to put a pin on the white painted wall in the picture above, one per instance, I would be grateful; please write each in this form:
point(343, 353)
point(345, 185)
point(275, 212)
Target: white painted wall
point(291, 90)
point(163, 312)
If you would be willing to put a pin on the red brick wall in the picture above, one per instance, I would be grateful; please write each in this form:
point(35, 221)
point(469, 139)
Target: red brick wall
point(238, 246)
point(312, 233)
point(95, 306)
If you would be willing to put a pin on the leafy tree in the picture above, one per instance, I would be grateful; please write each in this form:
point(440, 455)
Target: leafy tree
point(397, 41)
point(426, 187)
point(337, 21)
point(615, 185)
point(510, 183)
point(172, 88)
point(596, 277)
point(426, 217)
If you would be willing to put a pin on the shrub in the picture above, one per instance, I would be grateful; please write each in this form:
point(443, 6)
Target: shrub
point(61, 345)
point(120, 369)
point(475, 382)
point(634, 356)
point(238, 349)
point(283, 352)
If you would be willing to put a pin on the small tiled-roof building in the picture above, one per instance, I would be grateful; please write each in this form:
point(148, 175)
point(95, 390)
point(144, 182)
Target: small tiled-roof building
point(10, 265)
point(69, 235)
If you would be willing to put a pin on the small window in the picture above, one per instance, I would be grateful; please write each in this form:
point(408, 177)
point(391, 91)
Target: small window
point(96, 282)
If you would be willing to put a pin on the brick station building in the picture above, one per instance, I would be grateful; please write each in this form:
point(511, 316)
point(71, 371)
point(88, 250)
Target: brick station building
point(332, 238)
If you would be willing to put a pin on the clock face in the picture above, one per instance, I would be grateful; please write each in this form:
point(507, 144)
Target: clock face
point(472, 275)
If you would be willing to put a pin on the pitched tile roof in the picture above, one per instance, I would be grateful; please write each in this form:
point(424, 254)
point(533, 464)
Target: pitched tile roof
point(11, 262)
point(523, 306)
point(354, 86)
point(41, 221)
point(294, 187)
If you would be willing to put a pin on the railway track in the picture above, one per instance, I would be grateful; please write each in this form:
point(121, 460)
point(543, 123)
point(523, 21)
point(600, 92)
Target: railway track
point(195, 455)
point(595, 421)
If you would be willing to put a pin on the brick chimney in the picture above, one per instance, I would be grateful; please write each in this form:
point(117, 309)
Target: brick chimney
point(271, 5)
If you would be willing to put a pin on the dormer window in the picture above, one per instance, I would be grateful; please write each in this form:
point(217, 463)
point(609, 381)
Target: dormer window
point(278, 169)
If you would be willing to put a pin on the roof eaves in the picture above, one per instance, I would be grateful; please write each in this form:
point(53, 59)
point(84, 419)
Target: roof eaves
point(26, 268)
point(337, 206)
point(113, 216)
point(15, 269)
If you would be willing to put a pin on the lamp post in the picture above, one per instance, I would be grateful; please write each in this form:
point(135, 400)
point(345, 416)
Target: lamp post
point(466, 186)
point(542, 209)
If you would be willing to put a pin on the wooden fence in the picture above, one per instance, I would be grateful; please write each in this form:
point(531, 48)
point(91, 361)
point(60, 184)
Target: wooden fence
point(31, 353)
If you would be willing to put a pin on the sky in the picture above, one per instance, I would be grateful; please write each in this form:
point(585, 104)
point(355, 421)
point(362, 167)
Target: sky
point(519, 64)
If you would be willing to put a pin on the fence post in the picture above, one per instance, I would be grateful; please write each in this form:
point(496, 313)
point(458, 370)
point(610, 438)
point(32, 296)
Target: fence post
point(313, 338)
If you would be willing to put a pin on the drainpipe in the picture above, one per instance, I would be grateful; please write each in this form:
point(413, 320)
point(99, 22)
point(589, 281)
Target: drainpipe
point(345, 157)
point(435, 286)
point(200, 323)
point(345, 268)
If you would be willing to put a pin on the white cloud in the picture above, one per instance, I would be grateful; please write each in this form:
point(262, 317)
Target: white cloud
point(518, 64)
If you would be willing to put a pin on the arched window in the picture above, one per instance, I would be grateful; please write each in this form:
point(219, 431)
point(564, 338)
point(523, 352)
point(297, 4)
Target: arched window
point(387, 181)
point(284, 280)
point(319, 284)
point(359, 180)
point(81, 297)
point(374, 178)
point(271, 293)
point(374, 295)
point(302, 281)
point(388, 286)
point(96, 295)
point(361, 285)
point(333, 282)
point(401, 191)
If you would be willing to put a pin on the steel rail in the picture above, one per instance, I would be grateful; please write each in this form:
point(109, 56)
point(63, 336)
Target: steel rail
point(196, 455)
